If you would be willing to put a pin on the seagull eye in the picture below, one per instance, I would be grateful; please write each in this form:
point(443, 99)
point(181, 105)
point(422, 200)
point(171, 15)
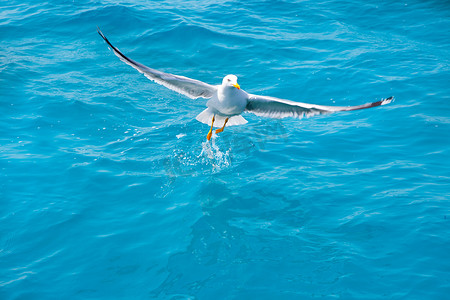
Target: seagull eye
point(229, 79)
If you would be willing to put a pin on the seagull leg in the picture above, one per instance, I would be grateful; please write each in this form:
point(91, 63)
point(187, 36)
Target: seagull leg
point(208, 137)
point(221, 129)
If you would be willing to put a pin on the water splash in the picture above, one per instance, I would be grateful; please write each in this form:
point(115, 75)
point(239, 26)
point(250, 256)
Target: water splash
point(212, 154)
point(185, 160)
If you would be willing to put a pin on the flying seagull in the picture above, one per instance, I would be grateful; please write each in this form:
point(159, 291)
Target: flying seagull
point(228, 101)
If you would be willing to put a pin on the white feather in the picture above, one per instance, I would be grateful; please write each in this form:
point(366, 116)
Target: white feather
point(206, 116)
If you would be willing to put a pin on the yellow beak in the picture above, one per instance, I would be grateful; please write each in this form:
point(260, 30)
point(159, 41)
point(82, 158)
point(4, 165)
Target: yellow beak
point(237, 86)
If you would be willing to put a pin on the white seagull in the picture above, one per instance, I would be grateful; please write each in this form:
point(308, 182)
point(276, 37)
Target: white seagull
point(228, 101)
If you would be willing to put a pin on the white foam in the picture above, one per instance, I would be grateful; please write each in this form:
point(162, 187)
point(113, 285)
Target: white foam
point(212, 154)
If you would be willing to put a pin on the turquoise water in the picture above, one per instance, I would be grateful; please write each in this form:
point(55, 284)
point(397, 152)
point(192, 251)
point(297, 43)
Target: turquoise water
point(109, 190)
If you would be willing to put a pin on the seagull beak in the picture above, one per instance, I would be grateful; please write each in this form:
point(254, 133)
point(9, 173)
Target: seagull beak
point(237, 86)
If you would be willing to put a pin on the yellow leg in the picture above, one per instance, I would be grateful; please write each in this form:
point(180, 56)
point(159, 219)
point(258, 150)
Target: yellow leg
point(208, 137)
point(221, 129)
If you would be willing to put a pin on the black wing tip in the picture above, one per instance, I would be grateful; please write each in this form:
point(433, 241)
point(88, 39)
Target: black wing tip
point(103, 36)
point(369, 105)
point(115, 50)
point(387, 100)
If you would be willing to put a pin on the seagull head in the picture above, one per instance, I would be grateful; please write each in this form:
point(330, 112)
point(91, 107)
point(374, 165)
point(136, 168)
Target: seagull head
point(230, 81)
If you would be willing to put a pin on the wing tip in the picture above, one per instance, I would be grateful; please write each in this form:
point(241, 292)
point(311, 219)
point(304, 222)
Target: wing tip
point(114, 49)
point(104, 37)
point(100, 33)
point(387, 100)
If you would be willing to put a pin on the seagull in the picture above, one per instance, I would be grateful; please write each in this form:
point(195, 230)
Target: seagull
point(228, 101)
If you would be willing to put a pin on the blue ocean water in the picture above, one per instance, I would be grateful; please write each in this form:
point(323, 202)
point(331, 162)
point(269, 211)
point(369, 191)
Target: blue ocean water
point(108, 189)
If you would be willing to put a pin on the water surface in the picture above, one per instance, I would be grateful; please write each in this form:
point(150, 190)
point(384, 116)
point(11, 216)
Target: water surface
point(108, 188)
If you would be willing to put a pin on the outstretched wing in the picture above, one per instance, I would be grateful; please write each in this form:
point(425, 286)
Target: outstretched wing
point(280, 108)
point(183, 85)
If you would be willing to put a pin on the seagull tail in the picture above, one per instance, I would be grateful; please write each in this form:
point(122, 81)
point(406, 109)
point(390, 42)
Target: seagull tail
point(206, 116)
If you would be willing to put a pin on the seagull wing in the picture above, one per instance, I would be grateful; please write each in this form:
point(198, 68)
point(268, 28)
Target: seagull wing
point(279, 108)
point(183, 85)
